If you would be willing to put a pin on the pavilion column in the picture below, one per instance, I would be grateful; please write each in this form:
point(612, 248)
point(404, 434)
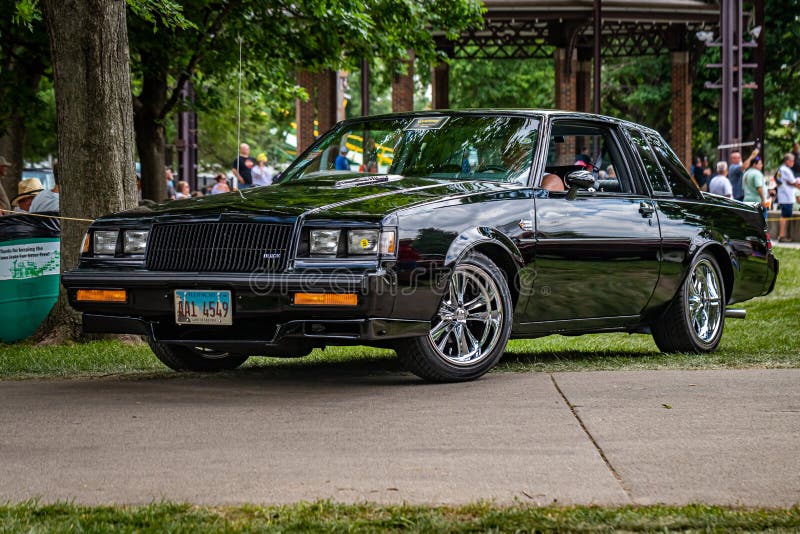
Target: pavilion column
point(566, 92)
point(304, 111)
point(566, 80)
point(681, 139)
point(583, 83)
point(440, 86)
point(327, 99)
point(403, 87)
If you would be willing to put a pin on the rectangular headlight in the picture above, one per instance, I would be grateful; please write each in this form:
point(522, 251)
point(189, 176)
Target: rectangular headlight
point(105, 242)
point(324, 242)
point(362, 242)
point(134, 241)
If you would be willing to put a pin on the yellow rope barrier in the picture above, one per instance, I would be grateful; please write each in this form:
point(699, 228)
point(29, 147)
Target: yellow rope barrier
point(12, 212)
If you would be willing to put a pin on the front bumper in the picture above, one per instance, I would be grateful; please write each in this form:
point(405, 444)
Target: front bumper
point(263, 311)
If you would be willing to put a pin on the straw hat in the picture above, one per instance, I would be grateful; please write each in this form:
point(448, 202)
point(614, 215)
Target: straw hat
point(29, 187)
point(261, 157)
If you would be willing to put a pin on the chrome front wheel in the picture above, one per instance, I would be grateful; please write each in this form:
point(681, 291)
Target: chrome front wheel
point(470, 317)
point(471, 326)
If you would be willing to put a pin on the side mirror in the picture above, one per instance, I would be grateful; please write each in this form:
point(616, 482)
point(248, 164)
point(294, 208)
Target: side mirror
point(578, 180)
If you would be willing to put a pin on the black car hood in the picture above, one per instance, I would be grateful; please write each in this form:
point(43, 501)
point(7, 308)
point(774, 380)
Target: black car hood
point(345, 195)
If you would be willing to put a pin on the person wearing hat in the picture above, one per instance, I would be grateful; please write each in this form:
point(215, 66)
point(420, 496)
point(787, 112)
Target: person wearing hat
point(582, 160)
point(262, 174)
point(4, 204)
point(342, 163)
point(27, 189)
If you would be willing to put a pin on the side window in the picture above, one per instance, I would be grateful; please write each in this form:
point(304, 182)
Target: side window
point(678, 177)
point(576, 145)
point(648, 157)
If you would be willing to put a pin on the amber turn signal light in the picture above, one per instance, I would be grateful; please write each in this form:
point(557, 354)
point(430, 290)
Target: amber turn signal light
point(326, 299)
point(101, 295)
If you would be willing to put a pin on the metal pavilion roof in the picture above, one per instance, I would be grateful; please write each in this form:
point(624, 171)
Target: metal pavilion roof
point(521, 29)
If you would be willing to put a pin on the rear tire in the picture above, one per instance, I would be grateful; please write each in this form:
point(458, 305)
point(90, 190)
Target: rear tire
point(197, 359)
point(471, 329)
point(695, 318)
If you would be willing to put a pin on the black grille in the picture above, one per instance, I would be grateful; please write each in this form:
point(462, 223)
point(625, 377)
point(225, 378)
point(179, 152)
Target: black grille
point(218, 247)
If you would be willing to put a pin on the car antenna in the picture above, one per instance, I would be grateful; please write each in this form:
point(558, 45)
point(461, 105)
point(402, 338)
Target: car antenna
point(238, 123)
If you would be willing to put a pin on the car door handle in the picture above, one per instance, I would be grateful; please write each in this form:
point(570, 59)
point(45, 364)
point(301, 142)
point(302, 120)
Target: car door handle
point(646, 209)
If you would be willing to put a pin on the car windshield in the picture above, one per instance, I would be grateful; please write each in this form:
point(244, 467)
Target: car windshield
point(460, 147)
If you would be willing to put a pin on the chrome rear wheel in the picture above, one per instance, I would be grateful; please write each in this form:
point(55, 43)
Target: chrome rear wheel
point(705, 301)
point(695, 319)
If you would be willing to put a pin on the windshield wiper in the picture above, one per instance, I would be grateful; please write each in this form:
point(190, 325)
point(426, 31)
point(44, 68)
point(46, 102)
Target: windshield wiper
point(367, 180)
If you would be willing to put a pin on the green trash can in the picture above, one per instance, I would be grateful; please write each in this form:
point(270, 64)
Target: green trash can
point(30, 266)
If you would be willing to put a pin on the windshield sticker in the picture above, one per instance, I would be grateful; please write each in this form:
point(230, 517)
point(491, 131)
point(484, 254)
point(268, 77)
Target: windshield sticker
point(427, 123)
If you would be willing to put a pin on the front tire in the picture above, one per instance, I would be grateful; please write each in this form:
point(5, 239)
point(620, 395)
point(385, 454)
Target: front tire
point(695, 318)
point(197, 359)
point(471, 328)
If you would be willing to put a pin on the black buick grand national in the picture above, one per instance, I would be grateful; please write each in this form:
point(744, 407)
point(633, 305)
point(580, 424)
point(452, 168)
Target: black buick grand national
point(441, 235)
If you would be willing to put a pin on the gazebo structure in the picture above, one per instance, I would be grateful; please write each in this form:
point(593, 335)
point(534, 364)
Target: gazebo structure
point(570, 32)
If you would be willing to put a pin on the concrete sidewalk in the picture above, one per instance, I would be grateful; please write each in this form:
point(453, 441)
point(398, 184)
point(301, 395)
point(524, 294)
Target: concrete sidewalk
point(726, 437)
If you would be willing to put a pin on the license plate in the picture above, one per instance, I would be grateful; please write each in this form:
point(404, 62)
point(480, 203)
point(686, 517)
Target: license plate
point(203, 307)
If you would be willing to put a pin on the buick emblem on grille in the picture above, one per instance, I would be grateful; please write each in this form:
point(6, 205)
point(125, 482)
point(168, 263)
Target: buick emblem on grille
point(272, 255)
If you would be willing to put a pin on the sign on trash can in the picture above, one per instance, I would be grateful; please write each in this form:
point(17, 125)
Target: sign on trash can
point(30, 269)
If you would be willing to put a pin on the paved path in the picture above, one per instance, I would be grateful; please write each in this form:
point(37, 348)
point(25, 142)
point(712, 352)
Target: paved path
point(730, 437)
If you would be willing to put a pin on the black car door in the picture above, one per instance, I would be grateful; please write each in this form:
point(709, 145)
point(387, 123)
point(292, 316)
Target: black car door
point(596, 255)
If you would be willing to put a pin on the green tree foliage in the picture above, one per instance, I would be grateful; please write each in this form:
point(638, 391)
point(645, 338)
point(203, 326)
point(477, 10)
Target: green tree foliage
point(264, 122)
point(279, 36)
point(782, 88)
point(40, 121)
point(635, 88)
point(502, 83)
point(24, 60)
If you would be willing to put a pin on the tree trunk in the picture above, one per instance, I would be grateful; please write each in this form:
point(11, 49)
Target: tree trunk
point(91, 74)
point(150, 143)
point(12, 147)
point(148, 113)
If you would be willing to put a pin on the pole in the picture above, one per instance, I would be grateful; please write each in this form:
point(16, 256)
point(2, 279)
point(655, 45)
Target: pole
point(758, 96)
point(364, 87)
point(239, 119)
point(598, 25)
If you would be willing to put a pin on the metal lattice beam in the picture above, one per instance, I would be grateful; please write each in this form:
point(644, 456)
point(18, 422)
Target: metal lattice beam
point(505, 39)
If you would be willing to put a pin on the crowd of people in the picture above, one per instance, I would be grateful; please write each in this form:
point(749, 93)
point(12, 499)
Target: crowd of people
point(738, 179)
point(746, 181)
point(246, 172)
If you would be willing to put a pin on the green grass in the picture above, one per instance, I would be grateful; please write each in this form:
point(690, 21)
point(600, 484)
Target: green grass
point(768, 338)
point(329, 517)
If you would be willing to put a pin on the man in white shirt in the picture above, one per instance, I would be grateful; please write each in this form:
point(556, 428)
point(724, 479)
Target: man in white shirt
point(47, 200)
point(720, 185)
point(787, 184)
